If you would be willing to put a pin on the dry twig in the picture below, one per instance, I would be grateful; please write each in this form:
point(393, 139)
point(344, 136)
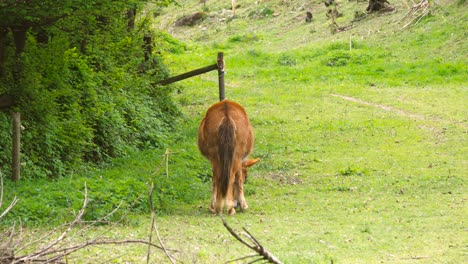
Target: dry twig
point(417, 12)
point(12, 204)
point(155, 228)
point(257, 247)
point(60, 248)
point(45, 251)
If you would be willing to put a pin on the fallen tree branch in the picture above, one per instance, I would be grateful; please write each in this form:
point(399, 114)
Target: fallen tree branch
point(242, 258)
point(155, 228)
point(12, 204)
point(257, 247)
point(417, 12)
point(45, 250)
point(58, 250)
point(63, 252)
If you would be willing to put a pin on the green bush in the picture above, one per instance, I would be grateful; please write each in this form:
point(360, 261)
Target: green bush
point(340, 58)
point(287, 60)
point(86, 96)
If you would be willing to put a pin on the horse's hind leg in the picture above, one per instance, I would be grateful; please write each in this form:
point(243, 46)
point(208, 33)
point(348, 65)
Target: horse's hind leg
point(230, 196)
point(216, 205)
point(213, 197)
point(239, 192)
point(242, 203)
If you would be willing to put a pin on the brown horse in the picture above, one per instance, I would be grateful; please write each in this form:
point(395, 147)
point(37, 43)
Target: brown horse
point(226, 138)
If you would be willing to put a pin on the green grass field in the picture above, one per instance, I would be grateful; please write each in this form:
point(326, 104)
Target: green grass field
point(362, 136)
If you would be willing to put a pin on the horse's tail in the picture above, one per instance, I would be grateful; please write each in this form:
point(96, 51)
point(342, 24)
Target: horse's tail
point(226, 143)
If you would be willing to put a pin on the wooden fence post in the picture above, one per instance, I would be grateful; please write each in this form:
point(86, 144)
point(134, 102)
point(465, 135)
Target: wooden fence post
point(16, 164)
point(221, 66)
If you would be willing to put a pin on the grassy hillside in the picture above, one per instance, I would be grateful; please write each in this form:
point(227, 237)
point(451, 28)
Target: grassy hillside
point(361, 133)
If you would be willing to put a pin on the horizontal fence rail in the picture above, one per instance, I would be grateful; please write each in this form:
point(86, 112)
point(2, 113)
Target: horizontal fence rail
point(220, 66)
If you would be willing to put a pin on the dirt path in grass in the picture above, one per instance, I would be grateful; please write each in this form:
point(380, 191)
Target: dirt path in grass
point(439, 132)
point(383, 107)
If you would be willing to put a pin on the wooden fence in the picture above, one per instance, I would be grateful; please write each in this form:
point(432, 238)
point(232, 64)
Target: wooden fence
point(219, 65)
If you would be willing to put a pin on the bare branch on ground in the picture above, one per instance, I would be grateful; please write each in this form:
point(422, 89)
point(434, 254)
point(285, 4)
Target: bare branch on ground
point(155, 228)
point(12, 204)
point(417, 12)
point(255, 246)
point(59, 249)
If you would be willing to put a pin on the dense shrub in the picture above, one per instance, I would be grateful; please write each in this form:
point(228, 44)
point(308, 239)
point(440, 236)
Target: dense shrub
point(84, 87)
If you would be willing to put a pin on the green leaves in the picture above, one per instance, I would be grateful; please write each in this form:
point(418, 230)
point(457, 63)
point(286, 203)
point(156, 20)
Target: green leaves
point(85, 88)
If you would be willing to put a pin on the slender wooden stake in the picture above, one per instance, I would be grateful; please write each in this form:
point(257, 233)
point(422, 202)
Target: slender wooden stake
point(233, 5)
point(221, 66)
point(16, 164)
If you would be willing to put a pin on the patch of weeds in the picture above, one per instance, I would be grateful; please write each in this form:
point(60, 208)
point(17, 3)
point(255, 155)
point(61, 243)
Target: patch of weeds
point(284, 178)
point(427, 18)
point(263, 11)
point(384, 55)
point(338, 46)
point(350, 171)
point(360, 58)
point(366, 229)
point(250, 189)
point(167, 42)
point(358, 44)
point(204, 176)
point(341, 58)
point(255, 53)
point(337, 59)
point(379, 70)
point(245, 38)
point(344, 189)
point(314, 54)
point(317, 160)
point(345, 45)
point(266, 121)
point(448, 69)
point(287, 60)
point(267, 12)
point(219, 46)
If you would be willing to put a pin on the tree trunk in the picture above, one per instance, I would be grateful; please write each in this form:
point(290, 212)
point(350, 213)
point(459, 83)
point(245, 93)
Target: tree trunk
point(148, 46)
point(19, 36)
point(131, 14)
point(3, 36)
point(6, 101)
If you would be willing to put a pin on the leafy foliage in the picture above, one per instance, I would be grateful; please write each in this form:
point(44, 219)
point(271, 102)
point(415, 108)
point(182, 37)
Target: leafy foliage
point(83, 82)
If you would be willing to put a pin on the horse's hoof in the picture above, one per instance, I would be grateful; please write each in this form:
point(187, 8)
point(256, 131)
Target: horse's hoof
point(232, 211)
